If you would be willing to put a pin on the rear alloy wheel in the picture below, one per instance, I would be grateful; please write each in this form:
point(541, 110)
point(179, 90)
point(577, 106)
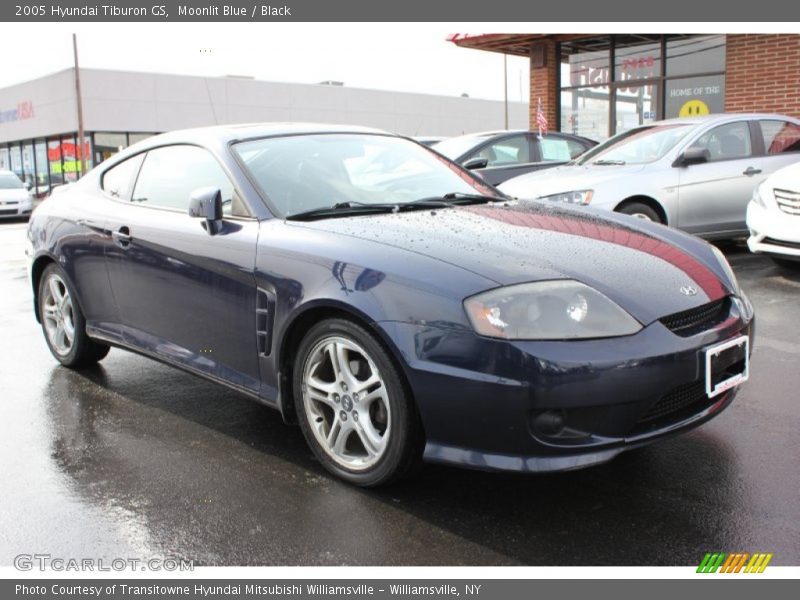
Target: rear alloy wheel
point(352, 407)
point(63, 323)
point(640, 211)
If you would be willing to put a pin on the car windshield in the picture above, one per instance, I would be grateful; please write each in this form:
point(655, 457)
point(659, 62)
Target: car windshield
point(306, 172)
point(454, 147)
point(9, 181)
point(637, 146)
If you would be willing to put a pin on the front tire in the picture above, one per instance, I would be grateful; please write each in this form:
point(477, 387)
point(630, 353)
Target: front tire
point(640, 211)
point(63, 323)
point(353, 408)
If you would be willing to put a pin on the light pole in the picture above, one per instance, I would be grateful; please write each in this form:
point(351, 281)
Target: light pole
point(79, 149)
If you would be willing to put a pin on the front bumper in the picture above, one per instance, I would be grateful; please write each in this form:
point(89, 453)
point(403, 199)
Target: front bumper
point(552, 406)
point(773, 231)
point(14, 210)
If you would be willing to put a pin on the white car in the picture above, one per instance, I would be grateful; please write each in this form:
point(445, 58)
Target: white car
point(773, 217)
point(15, 198)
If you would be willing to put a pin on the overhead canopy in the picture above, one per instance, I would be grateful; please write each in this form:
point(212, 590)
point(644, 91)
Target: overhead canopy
point(518, 44)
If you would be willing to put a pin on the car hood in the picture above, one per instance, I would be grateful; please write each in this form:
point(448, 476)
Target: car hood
point(787, 178)
point(566, 178)
point(14, 194)
point(642, 267)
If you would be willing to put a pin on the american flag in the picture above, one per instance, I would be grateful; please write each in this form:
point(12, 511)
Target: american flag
point(541, 120)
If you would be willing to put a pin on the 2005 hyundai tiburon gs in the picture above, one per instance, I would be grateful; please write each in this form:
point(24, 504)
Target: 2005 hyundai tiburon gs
point(389, 301)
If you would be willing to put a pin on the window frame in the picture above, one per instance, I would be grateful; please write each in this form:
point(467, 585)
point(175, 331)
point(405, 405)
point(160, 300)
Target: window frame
point(251, 216)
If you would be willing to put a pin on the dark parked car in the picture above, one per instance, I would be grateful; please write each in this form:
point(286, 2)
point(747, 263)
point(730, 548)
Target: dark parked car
point(501, 155)
point(389, 301)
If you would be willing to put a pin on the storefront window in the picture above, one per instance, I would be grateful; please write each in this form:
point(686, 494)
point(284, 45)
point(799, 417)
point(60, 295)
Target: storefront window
point(42, 178)
point(28, 174)
point(653, 77)
point(16, 159)
point(107, 145)
point(138, 137)
point(695, 54)
point(584, 111)
point(5, 163)
point(54, 159)
point(69, 159)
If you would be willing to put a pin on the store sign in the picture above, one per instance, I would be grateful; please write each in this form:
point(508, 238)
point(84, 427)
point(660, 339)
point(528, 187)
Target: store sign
point(22, 112)
point(696, 96)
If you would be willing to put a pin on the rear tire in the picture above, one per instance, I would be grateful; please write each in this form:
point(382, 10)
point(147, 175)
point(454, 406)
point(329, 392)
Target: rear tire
point(63, 323)
point(352, 406)
point(640, 211)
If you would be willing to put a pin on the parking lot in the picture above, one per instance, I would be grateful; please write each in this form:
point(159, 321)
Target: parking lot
point(136, 459)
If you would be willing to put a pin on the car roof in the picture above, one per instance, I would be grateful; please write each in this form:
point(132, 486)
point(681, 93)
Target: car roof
point(244, 131)
point(720, 117)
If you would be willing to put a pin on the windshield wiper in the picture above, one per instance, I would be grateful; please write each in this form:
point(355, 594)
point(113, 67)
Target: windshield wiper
point(454, 198)
point(341, 209)
point(608, 162)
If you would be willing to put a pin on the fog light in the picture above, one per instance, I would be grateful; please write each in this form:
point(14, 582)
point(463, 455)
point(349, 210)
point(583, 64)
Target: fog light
point(550, 422)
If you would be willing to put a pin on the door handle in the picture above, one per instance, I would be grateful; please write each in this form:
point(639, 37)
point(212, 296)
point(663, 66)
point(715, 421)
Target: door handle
point(122, 237)
point(750, 171)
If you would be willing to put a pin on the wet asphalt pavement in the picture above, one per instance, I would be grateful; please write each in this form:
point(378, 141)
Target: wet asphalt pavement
point(135, 459)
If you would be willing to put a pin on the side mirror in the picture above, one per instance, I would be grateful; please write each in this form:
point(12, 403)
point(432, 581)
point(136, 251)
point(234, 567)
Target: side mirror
point(476, 162)
point(693, 156)
point(206, 203)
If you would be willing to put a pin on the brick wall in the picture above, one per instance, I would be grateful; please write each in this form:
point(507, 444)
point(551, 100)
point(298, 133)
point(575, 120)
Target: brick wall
point(544, 85)
point(763, 74)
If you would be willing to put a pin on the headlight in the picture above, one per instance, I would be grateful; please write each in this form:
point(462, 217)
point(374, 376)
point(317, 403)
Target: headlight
point(548, 310)
point(758, 196)
point(726, 267)
point(577, 197)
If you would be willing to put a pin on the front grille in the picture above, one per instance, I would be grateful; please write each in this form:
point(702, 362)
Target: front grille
point(683, 399)
point(8, 212)
point(788, 202)
point(694, 320)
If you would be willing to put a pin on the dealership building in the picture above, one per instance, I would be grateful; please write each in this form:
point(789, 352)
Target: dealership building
point(39, 118)
point(599, 85)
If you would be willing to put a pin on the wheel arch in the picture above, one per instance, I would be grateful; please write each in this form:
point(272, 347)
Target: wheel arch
point(648, 201)
point(302, 322)
point(37, 268)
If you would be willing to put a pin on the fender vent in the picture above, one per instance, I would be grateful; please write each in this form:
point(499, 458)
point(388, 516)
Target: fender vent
point(265, 319)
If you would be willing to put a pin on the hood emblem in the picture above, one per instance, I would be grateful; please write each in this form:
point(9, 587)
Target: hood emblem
point(688, 290)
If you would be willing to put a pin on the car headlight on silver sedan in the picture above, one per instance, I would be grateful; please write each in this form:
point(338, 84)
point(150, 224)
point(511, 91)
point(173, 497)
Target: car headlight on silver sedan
point(548, 310)
point(582, 197)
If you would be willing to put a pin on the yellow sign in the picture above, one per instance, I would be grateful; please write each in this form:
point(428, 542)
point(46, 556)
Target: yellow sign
point(694, 108)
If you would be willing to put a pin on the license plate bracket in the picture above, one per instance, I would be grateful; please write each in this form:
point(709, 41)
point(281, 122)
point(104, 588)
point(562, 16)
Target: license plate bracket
point(727, 365)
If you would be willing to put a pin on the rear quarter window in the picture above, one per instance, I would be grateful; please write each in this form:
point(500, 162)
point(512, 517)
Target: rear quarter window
point(118, 181)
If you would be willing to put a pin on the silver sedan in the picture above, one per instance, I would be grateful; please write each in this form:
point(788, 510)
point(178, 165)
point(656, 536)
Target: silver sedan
point(697, 174)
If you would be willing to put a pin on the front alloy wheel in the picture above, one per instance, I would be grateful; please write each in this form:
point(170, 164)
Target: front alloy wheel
point(352, 406)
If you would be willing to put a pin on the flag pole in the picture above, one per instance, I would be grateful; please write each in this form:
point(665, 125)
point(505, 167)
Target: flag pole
point(79, 146)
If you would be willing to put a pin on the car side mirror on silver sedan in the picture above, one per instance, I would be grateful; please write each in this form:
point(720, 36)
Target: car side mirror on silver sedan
point(693, 156)
point(476, 162)
point(206, 203)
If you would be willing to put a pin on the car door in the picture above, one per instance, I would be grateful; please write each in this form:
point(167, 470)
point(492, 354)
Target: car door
point(184, 294)
point(713, 195)
point(507, 157)
point(781, 144)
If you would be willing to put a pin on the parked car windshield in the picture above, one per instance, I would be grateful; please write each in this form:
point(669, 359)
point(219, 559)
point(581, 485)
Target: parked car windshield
point(454, 147)
point(637, 146)
point(9, 181)
point(305, 172)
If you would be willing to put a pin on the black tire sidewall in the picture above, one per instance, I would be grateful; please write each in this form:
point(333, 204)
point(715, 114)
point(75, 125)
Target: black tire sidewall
point(638, 207)
point(83, 350)
point(403, 442)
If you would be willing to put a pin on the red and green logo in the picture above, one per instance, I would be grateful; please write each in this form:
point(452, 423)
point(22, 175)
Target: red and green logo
point(737, 562)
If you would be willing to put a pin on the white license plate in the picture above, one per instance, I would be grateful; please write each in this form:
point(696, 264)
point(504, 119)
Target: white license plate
point(727, 365)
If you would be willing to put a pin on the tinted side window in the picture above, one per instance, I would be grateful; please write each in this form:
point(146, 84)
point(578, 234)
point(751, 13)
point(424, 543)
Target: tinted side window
point(727, 142)
point(780, 136)
point(510, 151)
point(170, 174)
point(118, 180)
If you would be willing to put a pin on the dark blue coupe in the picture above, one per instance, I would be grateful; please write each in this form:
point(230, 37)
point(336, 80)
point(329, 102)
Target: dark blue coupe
point(389, 301)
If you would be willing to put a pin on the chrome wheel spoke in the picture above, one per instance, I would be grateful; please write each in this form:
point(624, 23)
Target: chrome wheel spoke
point(340, 386)
point(58, 315)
